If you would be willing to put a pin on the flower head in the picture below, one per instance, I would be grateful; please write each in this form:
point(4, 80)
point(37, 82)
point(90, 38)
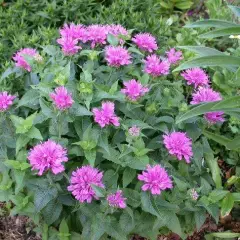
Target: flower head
point(156, 179)
point(155, 67)
point(145, 41)
point(134, 131)
point(105, 115)
point(69, 45)
point(179, 145)
point(76, 32)
point(48, 156)
point(117, 200)
point(134, 90)
point(81, 183)
point(6, 100)
point(196, 77)
point(174, 56)
point(96, 34)
point(208, 95)
point(117, 30)
point(61, 98)
point(194, 195)
point(19, 57)
point(117, 56)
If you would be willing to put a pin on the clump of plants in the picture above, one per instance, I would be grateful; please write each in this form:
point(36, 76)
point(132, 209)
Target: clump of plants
point(100, 142)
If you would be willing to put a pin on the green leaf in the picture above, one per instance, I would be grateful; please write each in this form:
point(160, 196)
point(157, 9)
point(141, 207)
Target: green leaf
point(225, 105)
point(235, 10)
point(126, 220)
point(200, 218)
point(113, 229)
point(78, 110)
point(13, 164)
point(221, 32)
point(19, 178)
point(43, 196)
point(52, 211)
point(202, 51)
point(184, 5)
point(112, 40)
point(211, 23)
point(217, 138)
point(217, 194)
point(210, 61)
point(63, 230)
point(97, 227)
point(224, 235)
point(22, 141)
point(91, 156)
point(234, 144)
point(34, 133)
point(128, 175)
point(227, 205)
point(133, 197)
point(46, 108)
point(29, 98)
point(100, 192)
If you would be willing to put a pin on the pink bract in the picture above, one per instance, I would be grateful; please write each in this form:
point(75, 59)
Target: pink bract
point(179, 145)
point(61, 98)
point(145, 41)
point(117, 200)
point(69, 45)
point(134, 131)
point(156, 179)
point(96, 34)
point(81, 183)
point(174, 56)
point(6, 100)
point(48, 156)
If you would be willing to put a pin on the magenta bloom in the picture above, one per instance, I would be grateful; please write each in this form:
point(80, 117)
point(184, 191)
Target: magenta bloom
point(145, 41)
point(76, 32)
point(134, 90)
point(117, 200)
point(105, 115)
point(96, 34)
point(69, 45)
point(48, 156)
point(6, 100)
point(134, 131)
point(196, 77)
point(155, 67)
point(174, 56)
point(117, 31)
point(117, 56)
point(61, 98)
point(179, 145)
point(81, 181)
point(208, 95)
point(156, 179)
point(19, 57)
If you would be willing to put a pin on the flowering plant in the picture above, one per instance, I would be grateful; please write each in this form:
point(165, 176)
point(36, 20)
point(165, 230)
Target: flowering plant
point(95, 144)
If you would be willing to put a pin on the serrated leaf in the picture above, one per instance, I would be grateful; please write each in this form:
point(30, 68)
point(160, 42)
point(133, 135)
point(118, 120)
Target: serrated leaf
point(133, 197)
point(126, 221)
point(43, 196)
point(200, 218)
point(34, 133)
point(99, 191)
point(29, 98)
point(128, 175)
point(227, 204)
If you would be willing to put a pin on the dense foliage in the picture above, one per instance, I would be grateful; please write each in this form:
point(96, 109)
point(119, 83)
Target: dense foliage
point(108, 132)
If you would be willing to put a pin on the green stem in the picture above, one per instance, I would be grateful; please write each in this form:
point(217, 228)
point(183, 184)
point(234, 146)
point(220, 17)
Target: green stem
point(66, 176)
point(59, 127)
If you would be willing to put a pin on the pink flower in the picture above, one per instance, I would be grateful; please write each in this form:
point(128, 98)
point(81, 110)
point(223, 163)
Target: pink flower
point(19, 57)
point(174, 56)
point(179, 145)
point(76, 32)
point(116, 200)
point(134, 131)
point(117, 56)
point(106, 115)
point(117, 31)
point(196, 77)
point(69, 45)
point(61, 98)
point(81, 181)
point(145, 41)
point(155, 179)
point(48, 156)
point(194, 195)
point(134, 90)
point(6, 100)
point(155, 67)
point(96, 34)
point(208, 95)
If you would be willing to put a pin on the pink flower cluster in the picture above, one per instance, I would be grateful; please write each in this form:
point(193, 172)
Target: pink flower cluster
point(48, 156)
point(174, 56)
point(105, 115)
point(81, 183)
point(6, 100)
point(155, 67)
point(61, 98)
point(206, 94)
point(179, 145)
point(145, 41)
point(117, 56)
point(134, 131)
point(156, 179)
point(116, 200)
point(134, 90)
point(72, 35)
point(196, 77)
point(19, 57)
